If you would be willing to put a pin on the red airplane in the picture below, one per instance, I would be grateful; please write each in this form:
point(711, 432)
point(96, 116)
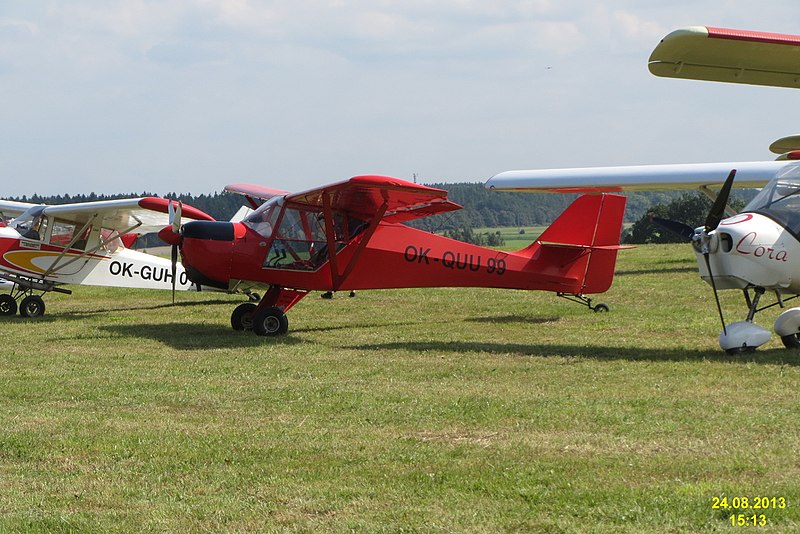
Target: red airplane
point(349, 236)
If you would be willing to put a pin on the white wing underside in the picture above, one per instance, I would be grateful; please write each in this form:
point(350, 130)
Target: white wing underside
point(640, 178)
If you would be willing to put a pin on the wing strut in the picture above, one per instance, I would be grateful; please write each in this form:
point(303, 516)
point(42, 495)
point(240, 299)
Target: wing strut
point(103, 242)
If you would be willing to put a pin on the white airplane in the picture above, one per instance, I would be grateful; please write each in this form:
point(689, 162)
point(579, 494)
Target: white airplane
point(756, 251)
point(43, 247)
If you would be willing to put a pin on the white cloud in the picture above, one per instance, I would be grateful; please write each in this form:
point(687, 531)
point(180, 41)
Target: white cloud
point(189, 94)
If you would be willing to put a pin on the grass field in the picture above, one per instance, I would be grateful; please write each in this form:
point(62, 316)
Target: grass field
point(404, 411)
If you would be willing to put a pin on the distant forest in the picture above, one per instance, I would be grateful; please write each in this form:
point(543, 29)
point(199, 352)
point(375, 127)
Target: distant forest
point(482, 208)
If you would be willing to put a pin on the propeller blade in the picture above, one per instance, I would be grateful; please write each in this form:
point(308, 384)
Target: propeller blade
point(174, 258)
point(714, 288)
point(718, 208)
point(684, 231)
point(176, 220)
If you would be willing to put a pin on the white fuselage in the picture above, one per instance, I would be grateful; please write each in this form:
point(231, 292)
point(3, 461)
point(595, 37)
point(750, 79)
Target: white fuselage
point(120, 267)
point(751, 250)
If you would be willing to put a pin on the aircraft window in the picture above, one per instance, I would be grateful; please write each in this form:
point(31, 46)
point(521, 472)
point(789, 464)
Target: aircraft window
point(111, 240)
point(301, 242)
point(32, 224)
point(65, 231)
point(263, 219)
point(779, 200)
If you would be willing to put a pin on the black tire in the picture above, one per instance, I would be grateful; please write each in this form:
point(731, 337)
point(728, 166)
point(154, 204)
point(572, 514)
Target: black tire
point(270, 322)
point(242, 316)
point(8, 306)
point(32, 306)
point(792, 341)
point(601, 308)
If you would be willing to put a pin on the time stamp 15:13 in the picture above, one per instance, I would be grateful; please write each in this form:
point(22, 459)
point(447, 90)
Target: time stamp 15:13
point(748, 511)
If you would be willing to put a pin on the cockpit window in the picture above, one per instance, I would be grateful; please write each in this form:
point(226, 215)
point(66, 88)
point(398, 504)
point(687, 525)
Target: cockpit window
point(780, 199)
point(263, 219)
point(32, 224)
point(69, 233)
point(300, 241)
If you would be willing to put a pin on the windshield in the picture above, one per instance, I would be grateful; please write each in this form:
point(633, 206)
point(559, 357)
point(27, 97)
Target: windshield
point(31, 224)
point(262, 220)
point(780, 199)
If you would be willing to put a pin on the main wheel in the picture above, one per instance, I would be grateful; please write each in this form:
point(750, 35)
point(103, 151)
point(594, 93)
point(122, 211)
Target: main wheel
point(8, 306)
point(242, 316)
point(601, 308)
point(792, 341)
point(270, 322)
point(31, 306)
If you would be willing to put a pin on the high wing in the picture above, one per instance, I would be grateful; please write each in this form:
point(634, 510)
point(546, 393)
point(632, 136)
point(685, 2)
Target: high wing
point(364, 196)
point(639, 178)
point(129, 215)
point(725, 55)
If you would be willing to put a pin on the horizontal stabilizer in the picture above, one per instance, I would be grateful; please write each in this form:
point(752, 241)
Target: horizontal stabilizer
point(592, 247)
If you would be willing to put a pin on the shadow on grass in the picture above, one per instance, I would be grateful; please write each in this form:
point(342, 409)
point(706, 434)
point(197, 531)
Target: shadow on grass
point(772, 356)
point(167, 305)
point(193, 336)
point(510, 319)
point(662, 270)
point(77, 315)
point(351, 326)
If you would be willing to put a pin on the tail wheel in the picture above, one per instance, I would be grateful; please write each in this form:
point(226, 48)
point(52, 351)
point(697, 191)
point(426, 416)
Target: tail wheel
point(270, 322)
point(242, 316)
point(8, 306)
point(600, 308)
point(32, 306)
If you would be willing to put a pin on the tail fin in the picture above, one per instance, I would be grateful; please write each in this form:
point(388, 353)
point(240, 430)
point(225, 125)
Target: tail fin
point(583, 241)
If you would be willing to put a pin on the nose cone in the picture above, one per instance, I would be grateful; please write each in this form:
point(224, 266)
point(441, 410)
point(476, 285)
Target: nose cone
point(206, 252)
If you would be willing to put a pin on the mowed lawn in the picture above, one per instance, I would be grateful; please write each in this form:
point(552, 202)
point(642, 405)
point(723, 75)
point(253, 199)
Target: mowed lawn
point(447, 410)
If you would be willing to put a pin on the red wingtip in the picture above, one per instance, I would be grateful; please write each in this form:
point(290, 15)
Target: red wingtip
point(162, 205)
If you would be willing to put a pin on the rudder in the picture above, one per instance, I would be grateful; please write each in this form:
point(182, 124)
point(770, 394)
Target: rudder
point(586, 238)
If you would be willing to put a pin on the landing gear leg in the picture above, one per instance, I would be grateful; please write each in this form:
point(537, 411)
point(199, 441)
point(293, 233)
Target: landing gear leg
point(745, 336)
point(268, 318)
point(585, 301)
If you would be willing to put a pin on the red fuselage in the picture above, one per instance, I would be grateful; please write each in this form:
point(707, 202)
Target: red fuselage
point(392, 255)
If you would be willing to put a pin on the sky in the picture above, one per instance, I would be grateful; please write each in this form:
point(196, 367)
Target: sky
point(187, 96)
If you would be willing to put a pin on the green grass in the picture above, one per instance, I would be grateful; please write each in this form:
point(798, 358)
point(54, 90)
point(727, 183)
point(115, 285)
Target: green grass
point(412, 410)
